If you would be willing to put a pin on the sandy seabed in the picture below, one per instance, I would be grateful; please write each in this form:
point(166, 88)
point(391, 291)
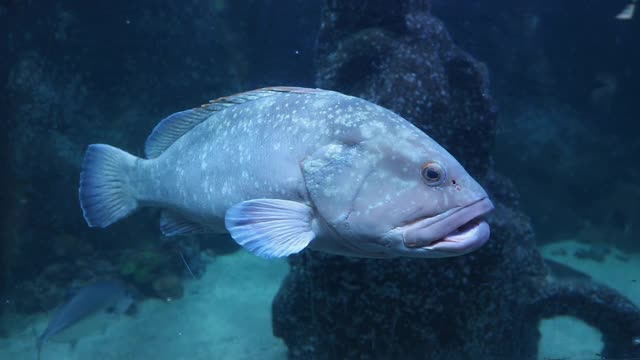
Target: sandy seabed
point(224, 315)
point(568, 338)
point(227, 315)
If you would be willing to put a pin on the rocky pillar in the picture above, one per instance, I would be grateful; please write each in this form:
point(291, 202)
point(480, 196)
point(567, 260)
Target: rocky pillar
point(478, 306)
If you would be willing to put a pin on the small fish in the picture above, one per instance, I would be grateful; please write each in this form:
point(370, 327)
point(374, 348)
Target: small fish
point(281, 169)
point(628, 11)
point(104, 295)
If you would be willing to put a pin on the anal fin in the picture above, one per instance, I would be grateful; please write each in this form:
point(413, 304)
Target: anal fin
point(172, 224)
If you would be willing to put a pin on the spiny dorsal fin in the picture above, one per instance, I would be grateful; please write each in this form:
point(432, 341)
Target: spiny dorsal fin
point(175, 125)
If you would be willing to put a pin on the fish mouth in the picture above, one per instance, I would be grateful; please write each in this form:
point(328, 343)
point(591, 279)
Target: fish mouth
point(455, 232)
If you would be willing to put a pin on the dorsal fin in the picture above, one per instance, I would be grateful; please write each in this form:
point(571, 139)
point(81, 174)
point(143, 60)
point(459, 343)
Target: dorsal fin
point(175, 125)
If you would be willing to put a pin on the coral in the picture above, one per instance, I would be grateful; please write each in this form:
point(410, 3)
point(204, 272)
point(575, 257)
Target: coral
point(69, 83)
point(413, 68)
point(142, 267)
point(616, 317)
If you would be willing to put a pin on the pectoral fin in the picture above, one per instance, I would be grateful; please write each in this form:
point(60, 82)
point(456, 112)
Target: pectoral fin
point(270, 227)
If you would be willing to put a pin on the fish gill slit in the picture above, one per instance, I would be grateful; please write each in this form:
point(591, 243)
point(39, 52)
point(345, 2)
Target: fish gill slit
point(355, 196)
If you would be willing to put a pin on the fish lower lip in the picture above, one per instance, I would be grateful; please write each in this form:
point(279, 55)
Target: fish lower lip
point(461, 231)
point(467, 226)
point(475, 234)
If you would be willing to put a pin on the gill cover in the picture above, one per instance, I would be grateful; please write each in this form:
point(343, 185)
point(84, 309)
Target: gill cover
point(334, 176)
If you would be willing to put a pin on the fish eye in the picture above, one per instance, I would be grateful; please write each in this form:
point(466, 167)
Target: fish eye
point(433, 173)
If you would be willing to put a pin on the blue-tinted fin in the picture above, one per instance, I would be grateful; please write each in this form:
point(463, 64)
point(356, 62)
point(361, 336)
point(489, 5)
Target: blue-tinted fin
point(269, 227)
point(172, 224)
point(105, 193)
point(174, 126)
point(171, 129)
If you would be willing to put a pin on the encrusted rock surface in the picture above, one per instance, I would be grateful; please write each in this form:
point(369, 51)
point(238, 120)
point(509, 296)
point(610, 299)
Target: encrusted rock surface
point(485, 305)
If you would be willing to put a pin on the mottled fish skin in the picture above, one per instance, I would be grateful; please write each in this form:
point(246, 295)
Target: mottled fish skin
point(235, 154)
point(356, 165)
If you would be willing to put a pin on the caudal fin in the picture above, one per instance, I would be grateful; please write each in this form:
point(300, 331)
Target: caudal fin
point(105, 192)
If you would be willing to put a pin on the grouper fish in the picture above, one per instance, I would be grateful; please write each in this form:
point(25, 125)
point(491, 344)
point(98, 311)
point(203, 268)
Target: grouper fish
point(282, 169)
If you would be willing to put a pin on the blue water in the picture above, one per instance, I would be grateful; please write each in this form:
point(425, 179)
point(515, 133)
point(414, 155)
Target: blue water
point(537, 99)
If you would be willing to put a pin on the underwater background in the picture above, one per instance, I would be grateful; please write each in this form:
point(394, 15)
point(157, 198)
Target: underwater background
point(537, 99)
